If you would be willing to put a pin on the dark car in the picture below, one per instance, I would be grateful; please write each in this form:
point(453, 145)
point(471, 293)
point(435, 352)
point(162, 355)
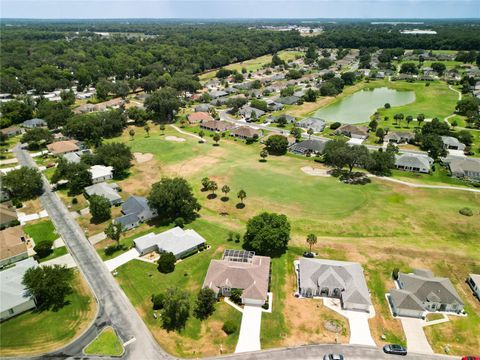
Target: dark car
point(333, 357)
point(471, 358)
point(395, 349)
point(308, 254)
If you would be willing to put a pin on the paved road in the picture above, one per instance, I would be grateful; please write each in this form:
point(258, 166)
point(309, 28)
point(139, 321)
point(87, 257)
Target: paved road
point(114, 307)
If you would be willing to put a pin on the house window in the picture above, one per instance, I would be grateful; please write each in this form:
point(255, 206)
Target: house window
point(11, 312)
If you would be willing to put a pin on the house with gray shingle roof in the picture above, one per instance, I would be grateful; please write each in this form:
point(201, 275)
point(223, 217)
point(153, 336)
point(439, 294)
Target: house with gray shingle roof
point(421, 292)
point(452, 143)
point(463, 167)
point(313, 146)
point(34, 123)
point(248, 111)
point(13, 297)
point(107, 190)
point(398, 137)
point(314, 123)
point(413, 162)
point(288, 100)
point(337, 279)
point(135, 211)
point(177, 241)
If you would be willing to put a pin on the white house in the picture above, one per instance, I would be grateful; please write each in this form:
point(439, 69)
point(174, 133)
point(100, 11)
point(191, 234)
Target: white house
point(101, 173)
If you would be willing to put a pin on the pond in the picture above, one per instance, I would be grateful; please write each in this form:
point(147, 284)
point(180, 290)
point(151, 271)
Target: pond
point(358, 107)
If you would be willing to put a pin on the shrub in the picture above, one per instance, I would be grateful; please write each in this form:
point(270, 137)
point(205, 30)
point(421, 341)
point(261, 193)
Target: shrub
point(74, 201)
point(395, 273)
point(236, 296)
point(335, 125)
point(166, 263)
point(43, 249)
point(157, 301)
point(180, 222)
point(466, 211)
point(229, 327)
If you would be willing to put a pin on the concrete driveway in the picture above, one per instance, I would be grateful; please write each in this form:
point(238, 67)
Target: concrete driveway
point(66, 260)
point(416, 340)
point(249, 338)
point(114, 263)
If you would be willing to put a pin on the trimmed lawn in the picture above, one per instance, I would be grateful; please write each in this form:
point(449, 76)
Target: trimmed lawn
point(55, 253)
point(106, 344)
point(42, 230)
point(36, 332)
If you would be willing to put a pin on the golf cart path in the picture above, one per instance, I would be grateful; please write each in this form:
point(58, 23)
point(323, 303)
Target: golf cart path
point(444, 187)
point(187, 133)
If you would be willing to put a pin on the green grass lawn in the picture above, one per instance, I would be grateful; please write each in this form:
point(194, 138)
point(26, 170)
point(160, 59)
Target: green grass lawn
point(41, 231)
point(35, 332)
point(450, 64)
point(55, 253)
point(106, 344)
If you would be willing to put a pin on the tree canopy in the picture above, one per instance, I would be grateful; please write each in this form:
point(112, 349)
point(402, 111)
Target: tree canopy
point(24, 183)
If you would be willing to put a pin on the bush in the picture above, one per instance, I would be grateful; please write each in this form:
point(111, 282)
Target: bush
point(236, 296)
point(158, 301)
point(335, 125)
point(180, 222)
point(43, 249)
point(166, 263)
point(74, 201)
point(395, 273)
point(466, 211)
point(229, 327)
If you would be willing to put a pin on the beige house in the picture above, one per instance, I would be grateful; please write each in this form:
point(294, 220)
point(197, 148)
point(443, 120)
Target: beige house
point(13, 246)
point(63, 147)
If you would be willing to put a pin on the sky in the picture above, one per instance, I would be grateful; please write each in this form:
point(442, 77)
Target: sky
point(239, 9)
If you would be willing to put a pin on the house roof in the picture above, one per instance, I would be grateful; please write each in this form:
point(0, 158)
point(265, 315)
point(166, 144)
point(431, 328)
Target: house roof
point(202, 107)
point(288, 100)
point(248, 110)
point(62, 147)
point(398, 135)
point(7, 213)
point(413, 160)
point(12, 292)
point(475, 278)
point(11, 243)
point(245, 131)
point(462, 165)
point(314, 123)
point(175, 240)
point(405, 300)
point(99, 171)
point(451, 141)
point(353, 129)
point(429, 288)
point(252, 276)
point(103, 189)
point(135, 205)
point(217, 125)
point(34, 122)
point(72, 157)
point(312, 145)
point(127, 219)
point(10, 129)
point(347, 276)
point(199, 116)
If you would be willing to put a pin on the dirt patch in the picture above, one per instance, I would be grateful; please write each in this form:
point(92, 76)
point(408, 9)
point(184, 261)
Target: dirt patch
point(315, 171)
point(143, 176)
point(192, 166)
point(174, 138)
point(142, 157)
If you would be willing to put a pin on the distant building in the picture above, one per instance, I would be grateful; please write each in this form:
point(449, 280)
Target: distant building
point(353, 131)
point(101, 173)
point(202, 108)
point(108, 191)
point(34, 123)
point(413, 162)
point(216, 125)
point(248, 111)
point(63, 147)
point(316, 124)
point(11, 131)
point(135, 211)
point(288, 100)
point(12, 245)
point(244, 132)
point(313, 146)
point(198, 117)
point(398, 137)
point(452, 143)
point(463, 167)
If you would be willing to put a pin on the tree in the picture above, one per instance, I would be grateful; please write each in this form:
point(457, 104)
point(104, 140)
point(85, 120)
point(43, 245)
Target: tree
point(310, 95)
point(409, 68)
point(103, 88)
point(49, 285)
point(114, 154)
point(68, 97)
point(264, 155)
point(433, 144)
point(166, 263)
point(205, 182)
point(225, 190)
point(99, 208)
point(281, 121)
point(339, 154)
point(147, 130)
point(176, 309)
point(277, 145)
point(380, 133)
point(439, 68)
point(162, 128)
point(205, 303)
point(201, 133)
point(276, 61)
point(77, 175)
point(311, 240)
point(212, 186)
point(373, 125)
point(409, 119)
point(381, 162)
point(38, 136)
point(349, 78)
point(121, 89)
point(131, 132)
point(236, 296)
point(114, 231)
point(465, 136)
point(310, 132)
point(296, 133)
point(241, 195)
point(420, 119)
point(387, 106)
point(259, 104)
point(43, 248)
point(173, 198)
point(267, 234)
point(163, 103)
point(216, 138)
point(24, 183)
point(16, 111)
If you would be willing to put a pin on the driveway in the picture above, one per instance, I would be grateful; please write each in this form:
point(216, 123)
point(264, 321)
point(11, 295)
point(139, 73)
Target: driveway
point(249, 338)
point(66, 260)
point(416, 340)
point(122, 259)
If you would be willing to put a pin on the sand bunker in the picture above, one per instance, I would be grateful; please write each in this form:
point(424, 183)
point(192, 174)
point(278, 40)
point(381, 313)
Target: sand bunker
point(315, 172)
point(174, 138)
point(142, 158)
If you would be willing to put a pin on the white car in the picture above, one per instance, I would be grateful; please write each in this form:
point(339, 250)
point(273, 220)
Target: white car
point(333, 357)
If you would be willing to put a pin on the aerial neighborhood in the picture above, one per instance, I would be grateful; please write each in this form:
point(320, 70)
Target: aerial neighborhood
point(230, 188)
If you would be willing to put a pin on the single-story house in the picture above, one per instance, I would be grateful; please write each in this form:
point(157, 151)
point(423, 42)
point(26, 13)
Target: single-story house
point(13, 297)
point(398, 137)
point(101, 173)
point(178, 241)
point(11, 131)
point(113, 103)
point(316, 124)
point(62, 147)
point(289, 118)
point(248, 111)
point(413, 162)
point(474, 282)
point(240, 269)
point(450, 142)
point(34, 123)
point(198, 117)
point(216, 125)
point(135, 211)
point(83, 109)
point(217, 94)
point(353, 131)
point(313, 146)
point(288, 100)
point(338, 279)
point(72, 157)
point(463, 167)
point(7, 214)
point(13, 246)
point(109, 191)
point(421, 292)
point(203, 108)
point(245, 132)
point(275, 106)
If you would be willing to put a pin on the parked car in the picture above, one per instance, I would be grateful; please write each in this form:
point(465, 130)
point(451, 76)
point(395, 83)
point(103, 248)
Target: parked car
point(333, 357)
point(471, 358)
point(308, 254)
point(395, 349)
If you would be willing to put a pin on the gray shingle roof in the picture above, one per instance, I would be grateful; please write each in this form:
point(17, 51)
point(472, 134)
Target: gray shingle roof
point(309, 145)
point(104, 189)
point(413, 160)
point(12, 292)
point(135, 205)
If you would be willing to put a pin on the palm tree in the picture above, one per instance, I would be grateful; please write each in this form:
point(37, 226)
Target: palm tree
point(311, 240)
point(162, 128)
point(201, 133)
point(216, 138)
point(205, 183)
point(310, 133)
point(409, 120)
point(225, 189)
point(212, 186)
point(147, 129)
point(264, 154)
point(132, 133)
point(242, 195)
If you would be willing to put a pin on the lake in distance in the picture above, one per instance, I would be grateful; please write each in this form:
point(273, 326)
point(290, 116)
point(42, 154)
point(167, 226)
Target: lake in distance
point(358, 107)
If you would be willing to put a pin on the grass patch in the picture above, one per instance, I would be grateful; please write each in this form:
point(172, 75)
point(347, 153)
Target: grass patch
point(41, 231)
point(37, 332)
point(106, 344)
point(55, 253)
